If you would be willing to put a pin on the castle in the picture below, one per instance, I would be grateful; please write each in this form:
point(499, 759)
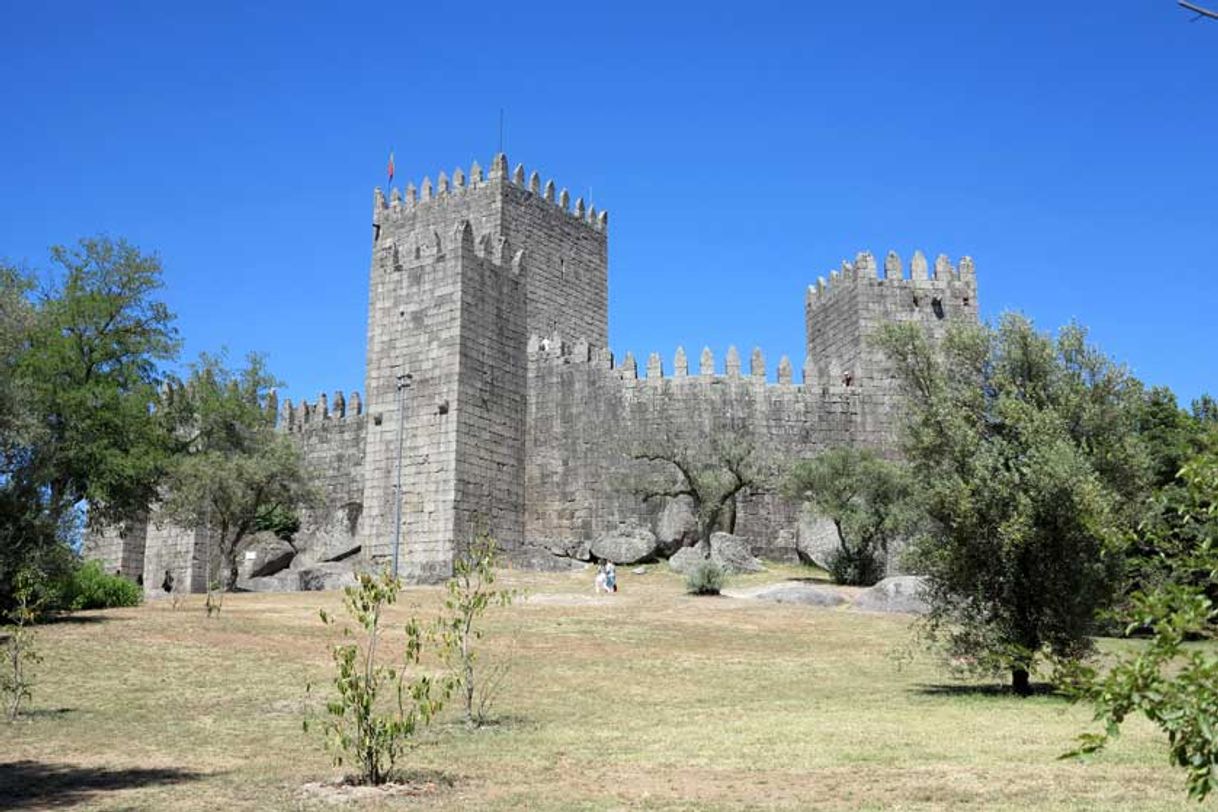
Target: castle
point(491, 292)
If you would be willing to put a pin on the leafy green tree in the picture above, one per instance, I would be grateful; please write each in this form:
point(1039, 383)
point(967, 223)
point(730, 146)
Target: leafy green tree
point(868, 500)
point(1172, 684)
point(17, 315)
point(1031, 474)
point(1205, 410)
point(79, 370)
point(711, 474)
point(236, 473)
point(92, 373)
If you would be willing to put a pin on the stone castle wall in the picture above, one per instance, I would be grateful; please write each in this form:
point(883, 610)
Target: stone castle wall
point(330, 433)
point(587, 416)
point(531, 438)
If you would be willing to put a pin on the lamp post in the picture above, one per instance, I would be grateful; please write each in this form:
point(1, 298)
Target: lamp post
point(403, 384)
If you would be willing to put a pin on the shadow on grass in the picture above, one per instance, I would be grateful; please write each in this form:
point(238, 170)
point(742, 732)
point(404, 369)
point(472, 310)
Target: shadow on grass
point(988, 689)
point(814, 579)
point(34, 784)
point(75, 618)
point(43, 713)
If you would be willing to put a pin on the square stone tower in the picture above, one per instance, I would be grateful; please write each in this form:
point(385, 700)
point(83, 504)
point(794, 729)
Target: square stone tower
point(463, 271)
point(845, 311)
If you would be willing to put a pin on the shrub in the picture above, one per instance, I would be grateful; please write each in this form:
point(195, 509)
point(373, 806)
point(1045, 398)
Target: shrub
point(90, 587)
point(471, 592)
point(861, 566)
point(380, 702)
point(707, 578)
point(18, 649)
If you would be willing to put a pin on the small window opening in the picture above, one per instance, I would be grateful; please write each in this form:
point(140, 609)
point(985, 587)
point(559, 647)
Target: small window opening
point(966, 301)
point(936, 304)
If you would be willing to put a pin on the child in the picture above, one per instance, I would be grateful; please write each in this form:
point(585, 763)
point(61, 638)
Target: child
point(601, 583)
point(610, 577)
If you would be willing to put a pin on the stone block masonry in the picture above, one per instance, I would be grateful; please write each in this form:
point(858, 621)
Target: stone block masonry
point(491, 291)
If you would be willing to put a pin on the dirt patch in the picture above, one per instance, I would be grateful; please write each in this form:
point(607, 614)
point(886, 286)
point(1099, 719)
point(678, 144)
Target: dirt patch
point(570, 599)
point(419, 785)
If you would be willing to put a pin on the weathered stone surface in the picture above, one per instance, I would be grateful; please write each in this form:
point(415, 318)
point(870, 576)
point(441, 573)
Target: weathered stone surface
point(630, 545)
point(792, 592)
point(685, 559)
point(263, 554)
point(816, 538)
point(733, 553)
point(322, 577)
point(283, 581)
point(898, 593)
point(677, 526)
point(577, 549)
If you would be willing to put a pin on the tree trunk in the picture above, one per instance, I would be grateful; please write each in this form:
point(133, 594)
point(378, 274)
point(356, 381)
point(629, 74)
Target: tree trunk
point(228, 559)
point(1020, 682)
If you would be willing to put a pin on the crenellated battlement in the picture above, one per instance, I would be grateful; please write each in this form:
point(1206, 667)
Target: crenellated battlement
point(865, 269)
point(446, 190)
point(553, 350)
point(324, 410)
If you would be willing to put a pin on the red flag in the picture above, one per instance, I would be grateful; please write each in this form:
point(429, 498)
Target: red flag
point(391, 166)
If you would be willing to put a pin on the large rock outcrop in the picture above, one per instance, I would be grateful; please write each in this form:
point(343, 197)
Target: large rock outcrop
point(684, 560)
point(815, 538)
point(898, 593)
point(677, 526)
point(630, 545)
point(263, 554)
point(792, 592)
point(734, 553)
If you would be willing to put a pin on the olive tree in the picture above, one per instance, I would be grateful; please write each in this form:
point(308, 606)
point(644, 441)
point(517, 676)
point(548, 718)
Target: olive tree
point(1029, 471)
point(867, 498)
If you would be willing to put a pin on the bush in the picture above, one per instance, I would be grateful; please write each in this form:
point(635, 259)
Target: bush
point(705, 579)
point(858, 567)
point(380, 703)
point(90, 587)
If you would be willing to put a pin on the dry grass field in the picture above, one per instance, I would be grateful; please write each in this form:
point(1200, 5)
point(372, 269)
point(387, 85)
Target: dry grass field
point(647, 699)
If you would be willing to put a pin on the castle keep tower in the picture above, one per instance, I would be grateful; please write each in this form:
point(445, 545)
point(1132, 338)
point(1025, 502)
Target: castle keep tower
point(463, 270)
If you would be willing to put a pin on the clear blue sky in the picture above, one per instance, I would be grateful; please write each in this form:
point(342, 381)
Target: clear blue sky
point(741, 149)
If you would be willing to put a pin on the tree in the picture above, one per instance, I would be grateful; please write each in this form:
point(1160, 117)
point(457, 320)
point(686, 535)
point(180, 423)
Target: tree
point(16, 321)
point(19, 651)
point(1171, 684)
point(236, 473)
point(470, 592)
point(78, 385)
point(92, 373)
point(710, 475)
point(378, 707)
point(1031, 474)
point(1205, 410)
point(866, 498)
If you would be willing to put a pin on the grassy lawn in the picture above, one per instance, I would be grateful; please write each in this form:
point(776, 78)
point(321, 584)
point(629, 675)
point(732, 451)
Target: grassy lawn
point(645, 699)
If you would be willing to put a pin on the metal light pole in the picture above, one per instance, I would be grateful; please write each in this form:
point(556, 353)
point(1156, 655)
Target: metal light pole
point(403, 385)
